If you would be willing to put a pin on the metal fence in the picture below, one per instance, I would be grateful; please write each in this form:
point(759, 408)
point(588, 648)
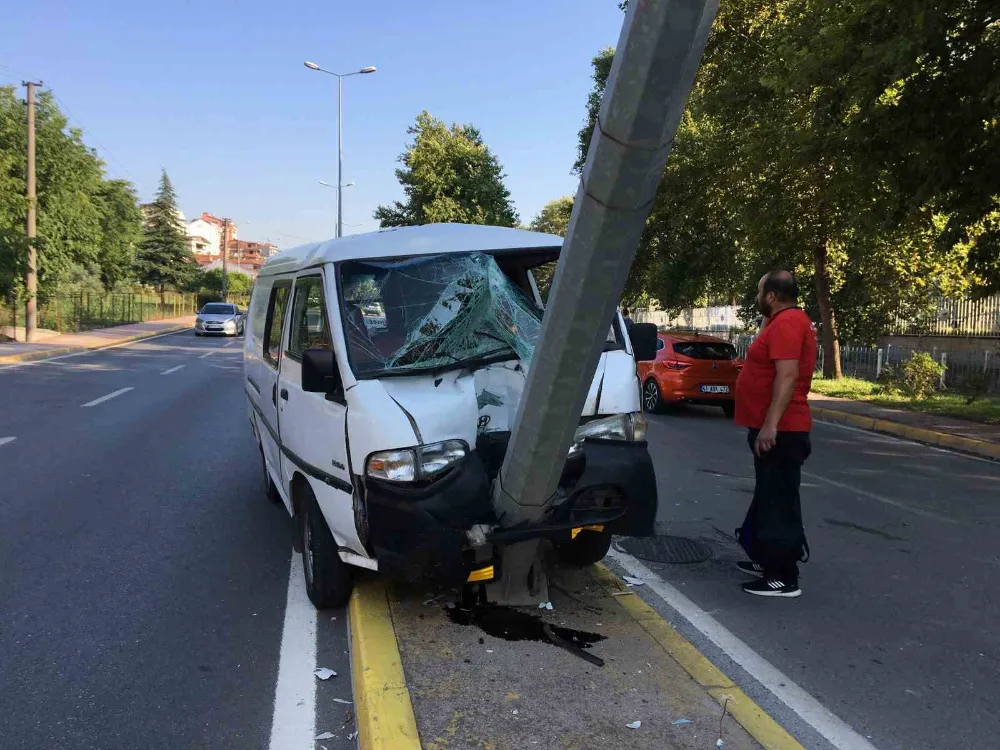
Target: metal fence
point(954, 317)
point(977, 370)
point(84, 312)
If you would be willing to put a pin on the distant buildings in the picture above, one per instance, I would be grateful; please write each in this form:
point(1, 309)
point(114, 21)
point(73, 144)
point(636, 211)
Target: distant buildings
point(205, 238)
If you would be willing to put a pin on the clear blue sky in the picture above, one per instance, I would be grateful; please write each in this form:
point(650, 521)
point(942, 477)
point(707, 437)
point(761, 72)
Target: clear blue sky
point(216, 93)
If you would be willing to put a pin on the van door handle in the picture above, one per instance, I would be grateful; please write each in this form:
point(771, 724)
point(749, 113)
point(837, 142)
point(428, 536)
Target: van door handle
point(284, 393)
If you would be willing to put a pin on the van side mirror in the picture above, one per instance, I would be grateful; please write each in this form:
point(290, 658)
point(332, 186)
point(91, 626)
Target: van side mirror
point(643, 338)
point(319, 371)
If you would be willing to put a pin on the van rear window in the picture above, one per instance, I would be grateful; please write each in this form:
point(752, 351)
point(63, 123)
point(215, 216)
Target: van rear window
point(705, 349)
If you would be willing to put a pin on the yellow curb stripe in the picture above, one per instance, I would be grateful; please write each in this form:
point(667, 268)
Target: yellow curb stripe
point(750, 716)
point(383, 709)
point(10, 359)
point(919, 434)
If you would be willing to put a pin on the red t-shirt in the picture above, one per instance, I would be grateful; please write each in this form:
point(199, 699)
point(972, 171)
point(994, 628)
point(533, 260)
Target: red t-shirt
point(788, 335)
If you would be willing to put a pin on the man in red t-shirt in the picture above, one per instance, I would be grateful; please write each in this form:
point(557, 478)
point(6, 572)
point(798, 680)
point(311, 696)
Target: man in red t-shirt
point(771, 402)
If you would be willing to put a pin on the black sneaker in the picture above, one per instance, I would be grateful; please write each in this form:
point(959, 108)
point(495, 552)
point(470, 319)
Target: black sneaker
point(750, 568)
point(771, 587)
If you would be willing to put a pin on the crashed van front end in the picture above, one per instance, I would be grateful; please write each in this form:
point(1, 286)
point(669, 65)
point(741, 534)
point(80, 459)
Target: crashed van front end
point(439, 380)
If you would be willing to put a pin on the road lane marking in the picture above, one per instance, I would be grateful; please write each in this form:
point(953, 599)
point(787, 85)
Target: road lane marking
point(110, 396)
point(4, 441)
point(294, 722)
point(209, 353)
point(229, 343)
point(172, 369)
point(119, 345)
point(811, 711)
point(883, 436)
point(883, 499)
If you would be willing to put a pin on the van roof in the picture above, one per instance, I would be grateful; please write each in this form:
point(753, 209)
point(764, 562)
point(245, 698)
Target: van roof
point(396, 242)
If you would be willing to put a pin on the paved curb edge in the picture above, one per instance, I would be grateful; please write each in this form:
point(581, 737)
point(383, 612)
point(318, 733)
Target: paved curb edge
point(747, 713)
point(13, 359)
point(384, 713)
point(919, 434)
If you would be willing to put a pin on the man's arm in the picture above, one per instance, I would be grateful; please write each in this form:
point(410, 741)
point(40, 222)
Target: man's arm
point(786, 376)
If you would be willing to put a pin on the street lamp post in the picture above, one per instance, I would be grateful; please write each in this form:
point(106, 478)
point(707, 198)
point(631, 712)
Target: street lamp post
point(340, 133)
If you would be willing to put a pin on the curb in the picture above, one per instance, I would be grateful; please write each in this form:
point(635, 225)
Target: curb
point(384, 713)
point(12, 359)
point(747, 713)
point(919, 434)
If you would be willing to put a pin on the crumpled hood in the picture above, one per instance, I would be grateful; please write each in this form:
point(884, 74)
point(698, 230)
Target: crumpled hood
point(442, 412)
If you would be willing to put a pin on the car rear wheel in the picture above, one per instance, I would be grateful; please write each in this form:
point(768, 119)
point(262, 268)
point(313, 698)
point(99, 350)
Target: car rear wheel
point(651, 399)
point(588, 548)
point(329, 579)
point(729, 409)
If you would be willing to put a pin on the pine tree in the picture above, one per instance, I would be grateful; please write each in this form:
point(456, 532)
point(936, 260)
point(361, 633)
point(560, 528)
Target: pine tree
point(163, 259)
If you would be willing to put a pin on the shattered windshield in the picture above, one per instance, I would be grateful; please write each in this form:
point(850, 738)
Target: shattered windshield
point(433, 312)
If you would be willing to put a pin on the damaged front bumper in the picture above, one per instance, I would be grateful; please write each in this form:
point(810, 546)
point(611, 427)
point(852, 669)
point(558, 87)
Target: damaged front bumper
point(419, 531)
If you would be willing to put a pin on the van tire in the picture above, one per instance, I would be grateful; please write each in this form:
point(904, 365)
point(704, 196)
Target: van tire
point(652, 401)
point(270, 491)
point(588, 548)
point(328, 579)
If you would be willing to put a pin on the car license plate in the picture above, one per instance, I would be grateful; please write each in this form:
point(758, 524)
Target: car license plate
point(715, 389)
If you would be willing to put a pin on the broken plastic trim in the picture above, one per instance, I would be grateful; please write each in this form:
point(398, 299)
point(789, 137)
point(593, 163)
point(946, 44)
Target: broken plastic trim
point(434, 313)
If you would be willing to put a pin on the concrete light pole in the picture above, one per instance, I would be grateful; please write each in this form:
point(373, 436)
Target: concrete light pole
point(340, 133)
point(31, 273)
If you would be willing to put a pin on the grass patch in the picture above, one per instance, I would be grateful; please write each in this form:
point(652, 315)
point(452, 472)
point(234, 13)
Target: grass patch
point(947, 404)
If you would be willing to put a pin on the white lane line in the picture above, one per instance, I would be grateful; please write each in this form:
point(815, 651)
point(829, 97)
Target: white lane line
point(91, 351)
point(882, 436)
point(811, 711)
point(4, 441)
point(883, 499)
point(294, 722)
point(172, 369)
point(209, 353)
point(110, 396)
point(229, 343)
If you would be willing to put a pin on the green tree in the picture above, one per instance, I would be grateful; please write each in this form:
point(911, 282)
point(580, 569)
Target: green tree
point(448, 175)
point(87, 225)
point(163, 260)
point(554, 216)
point(211, 281)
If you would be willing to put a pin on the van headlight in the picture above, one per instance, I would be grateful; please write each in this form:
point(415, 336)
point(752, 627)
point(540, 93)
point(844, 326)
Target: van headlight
point(425, 462)
point(631, 427)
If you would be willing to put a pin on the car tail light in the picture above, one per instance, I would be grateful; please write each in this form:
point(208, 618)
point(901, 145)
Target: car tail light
point(673, 364)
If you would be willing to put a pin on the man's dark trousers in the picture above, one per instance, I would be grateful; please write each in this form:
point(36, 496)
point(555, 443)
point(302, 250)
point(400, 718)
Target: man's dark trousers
point(772, 532)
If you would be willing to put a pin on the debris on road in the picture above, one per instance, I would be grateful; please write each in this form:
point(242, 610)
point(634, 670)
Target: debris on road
point(341, 700)
point(323, 673)
point(545, 605)
point(634, 725)
point(326, 736)
point(683, 721)
point(352, 735)
point(633, 581)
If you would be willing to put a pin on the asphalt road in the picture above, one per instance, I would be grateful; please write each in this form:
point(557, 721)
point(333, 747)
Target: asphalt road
point(896, 632)
point(144, 575)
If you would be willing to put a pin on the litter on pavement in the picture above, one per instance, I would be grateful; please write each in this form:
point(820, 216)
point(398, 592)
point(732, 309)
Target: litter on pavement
point(683, 721)
point(634, 725)
point(341, 700)
point(545, 605)
point(352, 735)
point(323, 673)
point(633, 581)
point(326, 736)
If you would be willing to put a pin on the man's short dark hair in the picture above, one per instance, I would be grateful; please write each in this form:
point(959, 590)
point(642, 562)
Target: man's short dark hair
point(783, 284)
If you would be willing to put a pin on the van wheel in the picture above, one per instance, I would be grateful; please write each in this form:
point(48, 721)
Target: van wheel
point(329, 579)
point(651, 400)
point(729, 409)
point(270, 491)
point(588, 548)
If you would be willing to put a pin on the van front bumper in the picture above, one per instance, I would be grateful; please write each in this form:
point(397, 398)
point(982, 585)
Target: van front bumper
point(416, 532)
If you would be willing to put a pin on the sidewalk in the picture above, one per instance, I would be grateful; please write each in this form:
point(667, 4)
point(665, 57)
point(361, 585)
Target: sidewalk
point(71, 343)
point(947, 432)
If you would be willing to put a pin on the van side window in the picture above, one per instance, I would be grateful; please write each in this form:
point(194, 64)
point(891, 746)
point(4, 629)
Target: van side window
point(309, 325)
point(275, 322)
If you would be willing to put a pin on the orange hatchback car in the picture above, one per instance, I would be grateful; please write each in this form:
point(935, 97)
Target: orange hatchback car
point(690, 368)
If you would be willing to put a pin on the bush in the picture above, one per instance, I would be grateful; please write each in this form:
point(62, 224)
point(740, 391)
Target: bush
point(916, 378)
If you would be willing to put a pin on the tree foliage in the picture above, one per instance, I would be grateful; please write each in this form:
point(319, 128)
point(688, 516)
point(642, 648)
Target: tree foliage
point(856, 144)
point(211, 281)
point(163, 260)
point(554, 216)
point(88, 226)
point(448, 175)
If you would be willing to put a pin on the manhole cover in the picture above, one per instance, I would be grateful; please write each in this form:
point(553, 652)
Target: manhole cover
point(666, 549)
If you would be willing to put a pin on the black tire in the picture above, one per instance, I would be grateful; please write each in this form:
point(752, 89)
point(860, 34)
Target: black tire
point(270, 491)
point(729, 409)
point(588, 548)
point(197, 334)
point(652, 401)
point(329, 579)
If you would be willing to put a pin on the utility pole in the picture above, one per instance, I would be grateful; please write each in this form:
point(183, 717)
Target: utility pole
point(225, 255)
point(31, 274)
point(658, 54)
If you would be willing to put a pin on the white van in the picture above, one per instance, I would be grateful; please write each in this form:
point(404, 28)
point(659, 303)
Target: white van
point(383, 374)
